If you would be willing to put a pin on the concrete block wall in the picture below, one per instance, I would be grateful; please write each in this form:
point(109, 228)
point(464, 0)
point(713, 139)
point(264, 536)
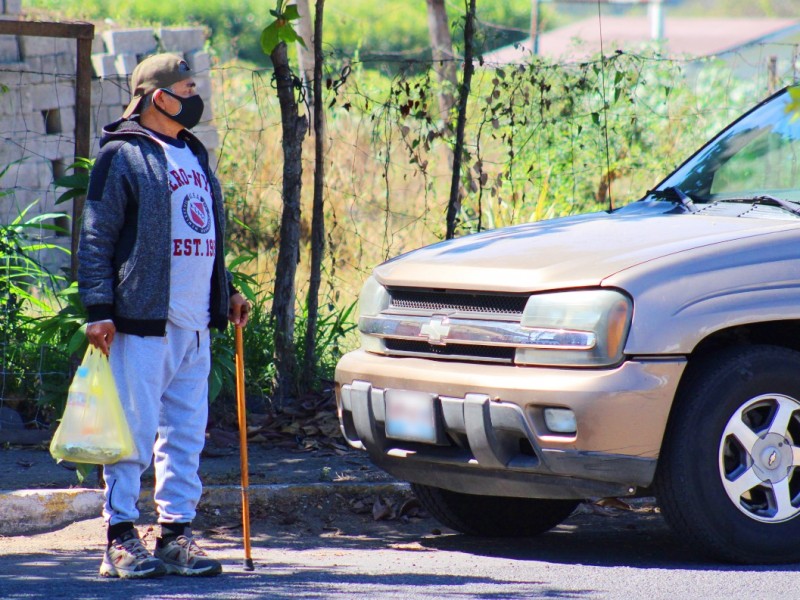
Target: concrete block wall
point(118, 52)
point(37, 108)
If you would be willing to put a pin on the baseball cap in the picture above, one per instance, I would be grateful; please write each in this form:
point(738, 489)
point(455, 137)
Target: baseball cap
point(155, 72)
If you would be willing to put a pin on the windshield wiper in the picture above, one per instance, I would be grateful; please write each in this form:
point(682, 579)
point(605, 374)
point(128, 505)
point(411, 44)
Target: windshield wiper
point(766, 199)
point(675, 194)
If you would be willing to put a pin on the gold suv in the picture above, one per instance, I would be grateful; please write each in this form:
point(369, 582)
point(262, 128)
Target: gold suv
point(649, 350)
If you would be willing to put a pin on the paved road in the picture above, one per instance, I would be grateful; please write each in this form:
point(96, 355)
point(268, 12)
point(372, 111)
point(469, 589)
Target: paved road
point(325, 554)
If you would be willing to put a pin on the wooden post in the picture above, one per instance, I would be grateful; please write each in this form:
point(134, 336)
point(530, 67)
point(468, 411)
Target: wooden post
point(772, 74)
point(83, 106)
point(83, 33)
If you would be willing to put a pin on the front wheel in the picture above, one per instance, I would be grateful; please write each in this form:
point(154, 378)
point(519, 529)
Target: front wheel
point(728, 479)
point(493, 516)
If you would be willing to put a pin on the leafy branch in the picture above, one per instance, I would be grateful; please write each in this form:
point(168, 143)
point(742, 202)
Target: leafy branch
point(282, 29)
point(78, 183)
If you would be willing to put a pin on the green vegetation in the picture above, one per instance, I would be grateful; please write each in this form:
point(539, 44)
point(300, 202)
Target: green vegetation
point(544, 140)
point(25, 286)
point(42, 328)
point(355, 27)
point(389, 30)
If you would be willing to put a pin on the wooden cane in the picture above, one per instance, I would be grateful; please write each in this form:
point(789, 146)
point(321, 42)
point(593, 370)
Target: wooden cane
point(240, 403)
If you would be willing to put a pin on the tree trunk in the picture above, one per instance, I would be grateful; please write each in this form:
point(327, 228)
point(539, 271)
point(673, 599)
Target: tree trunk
point(443, 58)
point(294, 128)
point(318, 218)
point(454, 204)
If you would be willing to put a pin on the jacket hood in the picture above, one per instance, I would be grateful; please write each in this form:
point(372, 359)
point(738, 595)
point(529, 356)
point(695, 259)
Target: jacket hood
point(122, 128)
point(565, 253)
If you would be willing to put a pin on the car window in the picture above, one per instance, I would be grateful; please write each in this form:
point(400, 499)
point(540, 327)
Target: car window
point(770, 163)
point(757, 154)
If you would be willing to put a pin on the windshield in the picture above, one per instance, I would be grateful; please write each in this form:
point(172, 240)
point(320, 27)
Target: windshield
point(758, 154)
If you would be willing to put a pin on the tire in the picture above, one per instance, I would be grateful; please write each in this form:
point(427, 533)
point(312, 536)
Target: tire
point(493, 516)
point(728, 481)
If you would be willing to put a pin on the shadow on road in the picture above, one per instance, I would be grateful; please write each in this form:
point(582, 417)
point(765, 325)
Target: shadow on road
point(613, 538)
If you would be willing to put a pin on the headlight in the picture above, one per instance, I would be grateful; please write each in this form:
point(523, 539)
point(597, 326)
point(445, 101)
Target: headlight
point(373, 299)
point(584, 328)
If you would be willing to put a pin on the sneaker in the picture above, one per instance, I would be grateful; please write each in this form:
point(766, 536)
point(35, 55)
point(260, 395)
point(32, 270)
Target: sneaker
point(127, 558)
point(182, 556)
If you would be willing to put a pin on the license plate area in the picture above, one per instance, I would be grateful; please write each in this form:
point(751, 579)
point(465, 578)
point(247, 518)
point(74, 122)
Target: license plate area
point(411, 416)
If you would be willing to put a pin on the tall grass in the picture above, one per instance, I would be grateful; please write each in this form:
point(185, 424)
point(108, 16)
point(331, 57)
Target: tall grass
point(25, 287)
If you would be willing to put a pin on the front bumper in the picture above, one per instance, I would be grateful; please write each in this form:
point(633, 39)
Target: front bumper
point(491, 417)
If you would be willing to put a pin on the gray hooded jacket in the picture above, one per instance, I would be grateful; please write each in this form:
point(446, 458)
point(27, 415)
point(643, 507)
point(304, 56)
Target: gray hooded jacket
point(124, 250)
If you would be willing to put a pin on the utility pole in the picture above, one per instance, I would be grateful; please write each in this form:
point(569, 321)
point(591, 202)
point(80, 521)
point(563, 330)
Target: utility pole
point(535, 26)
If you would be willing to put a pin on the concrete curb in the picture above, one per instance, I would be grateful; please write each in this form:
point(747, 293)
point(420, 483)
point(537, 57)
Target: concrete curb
point(35, 511)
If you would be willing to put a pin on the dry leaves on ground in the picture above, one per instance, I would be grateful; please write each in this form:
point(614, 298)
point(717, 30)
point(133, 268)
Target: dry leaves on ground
point(383, 509)
point(312, 424)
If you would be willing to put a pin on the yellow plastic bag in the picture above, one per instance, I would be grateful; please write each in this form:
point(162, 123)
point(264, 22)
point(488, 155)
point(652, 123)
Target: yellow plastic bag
point(93, 429)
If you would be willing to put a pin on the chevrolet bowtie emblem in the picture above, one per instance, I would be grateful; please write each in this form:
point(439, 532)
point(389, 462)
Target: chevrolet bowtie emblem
point(436, 331)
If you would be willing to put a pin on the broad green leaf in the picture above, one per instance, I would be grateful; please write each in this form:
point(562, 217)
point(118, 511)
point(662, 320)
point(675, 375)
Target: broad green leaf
point(246, 290)
point(43, 217)
point(291, 13)
point(270, 38)
point(287, 34)
point(72, 181)
point(214, 386)
point(67, 196)
point(242, 258)
point(82, 163)
point(77, 340)
point(83, 470)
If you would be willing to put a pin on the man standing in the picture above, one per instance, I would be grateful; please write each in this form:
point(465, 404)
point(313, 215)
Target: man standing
point(153, 280)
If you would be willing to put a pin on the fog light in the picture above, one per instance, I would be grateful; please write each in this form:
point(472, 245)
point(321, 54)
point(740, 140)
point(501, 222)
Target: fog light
point(560, 420)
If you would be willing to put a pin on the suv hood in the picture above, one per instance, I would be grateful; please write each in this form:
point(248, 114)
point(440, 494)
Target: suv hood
point(570, 252)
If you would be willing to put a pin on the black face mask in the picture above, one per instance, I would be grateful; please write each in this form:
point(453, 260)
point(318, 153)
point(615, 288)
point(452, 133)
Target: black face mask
point(190, 112)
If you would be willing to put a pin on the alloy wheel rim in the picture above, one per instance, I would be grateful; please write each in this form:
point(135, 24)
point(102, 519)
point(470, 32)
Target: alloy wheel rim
point(758, 458)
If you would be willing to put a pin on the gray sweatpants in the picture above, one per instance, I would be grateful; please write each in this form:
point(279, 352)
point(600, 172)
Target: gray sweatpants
point(163, 388)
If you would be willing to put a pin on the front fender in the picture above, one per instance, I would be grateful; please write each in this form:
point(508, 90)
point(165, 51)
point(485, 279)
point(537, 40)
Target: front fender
point(681, 299)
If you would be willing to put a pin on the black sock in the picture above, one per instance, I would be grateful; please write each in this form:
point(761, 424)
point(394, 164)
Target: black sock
point(116, 530)
point(170, 531)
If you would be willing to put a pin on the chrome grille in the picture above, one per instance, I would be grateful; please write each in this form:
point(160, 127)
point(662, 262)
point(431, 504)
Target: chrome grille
point(453, 325)
point(434, 300)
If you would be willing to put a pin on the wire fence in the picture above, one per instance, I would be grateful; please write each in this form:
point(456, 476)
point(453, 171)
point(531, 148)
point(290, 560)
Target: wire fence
point(543, 140)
